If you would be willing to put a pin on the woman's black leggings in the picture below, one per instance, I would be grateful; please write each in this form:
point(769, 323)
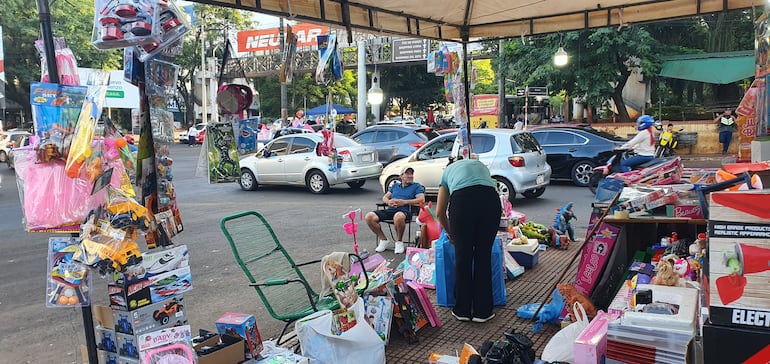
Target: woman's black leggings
point(474, 215)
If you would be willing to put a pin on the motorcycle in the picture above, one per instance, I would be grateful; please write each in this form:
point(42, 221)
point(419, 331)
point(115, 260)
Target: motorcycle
point(667, 142)
point(659, 171)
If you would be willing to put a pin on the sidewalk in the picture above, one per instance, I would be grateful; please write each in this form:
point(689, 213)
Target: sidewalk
point(533, 286)
point(706, 160)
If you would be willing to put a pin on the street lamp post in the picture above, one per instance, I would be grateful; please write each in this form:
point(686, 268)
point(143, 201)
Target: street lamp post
point(375, 95)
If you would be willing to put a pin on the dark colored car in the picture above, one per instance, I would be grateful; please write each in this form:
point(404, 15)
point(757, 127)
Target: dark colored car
point(574, 150)
point(394, 142)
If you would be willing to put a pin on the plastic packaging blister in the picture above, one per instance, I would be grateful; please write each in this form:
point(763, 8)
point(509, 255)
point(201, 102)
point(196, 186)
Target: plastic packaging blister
point(172, 345)
point(173, 25)
point(50, 200)
point(65, 61)
point(68, 281)
point(222, 153)
point(55, 111)
point(80, 149)
point(126, 23)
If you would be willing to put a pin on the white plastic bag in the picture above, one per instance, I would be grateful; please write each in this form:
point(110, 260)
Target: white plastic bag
point(560, 347)
point(318, 342)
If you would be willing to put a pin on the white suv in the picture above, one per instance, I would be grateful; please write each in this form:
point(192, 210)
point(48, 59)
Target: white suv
point(514, 158)
point(5, 139)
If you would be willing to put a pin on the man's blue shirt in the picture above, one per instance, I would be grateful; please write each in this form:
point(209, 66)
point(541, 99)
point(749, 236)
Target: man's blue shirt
point(400, 192)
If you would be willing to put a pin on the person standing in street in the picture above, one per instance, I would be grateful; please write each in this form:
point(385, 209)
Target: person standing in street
point(192, 135)
point(469, 210)
point(726, 124)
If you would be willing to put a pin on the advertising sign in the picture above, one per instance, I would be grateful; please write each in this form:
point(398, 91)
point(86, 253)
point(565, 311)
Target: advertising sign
point(269, 39)
point(484, 111)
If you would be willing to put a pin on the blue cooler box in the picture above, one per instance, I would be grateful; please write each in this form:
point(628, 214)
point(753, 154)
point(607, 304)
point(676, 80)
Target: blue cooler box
point(525, 254)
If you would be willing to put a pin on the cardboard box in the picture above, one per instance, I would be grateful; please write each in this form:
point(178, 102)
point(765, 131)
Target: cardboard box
point(149, 318)
point(106, 357)
point(738, 256)
point(590, 347)
point(690, 211)
point(131, 296)
point(244, 326)
point(594, 257)
point(105, 339)
point(152, 340)
point(154, 263)
point(232, 353)
point(722, 344)
point(127, 346)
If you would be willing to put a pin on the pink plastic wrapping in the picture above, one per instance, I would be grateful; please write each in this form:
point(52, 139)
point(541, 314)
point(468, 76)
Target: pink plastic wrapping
point(51, 200)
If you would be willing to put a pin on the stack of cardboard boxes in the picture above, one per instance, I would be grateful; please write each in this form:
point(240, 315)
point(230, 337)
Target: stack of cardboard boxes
point(738, 326)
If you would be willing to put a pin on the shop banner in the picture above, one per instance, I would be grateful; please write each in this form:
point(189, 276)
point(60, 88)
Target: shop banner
point(269, 39)
point(2, 72)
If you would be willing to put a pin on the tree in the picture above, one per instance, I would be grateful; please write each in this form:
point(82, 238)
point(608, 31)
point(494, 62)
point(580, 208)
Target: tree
point(304, 89)
point(600, 62)
point(216, 21)
point(21, 27)
point(411, 87)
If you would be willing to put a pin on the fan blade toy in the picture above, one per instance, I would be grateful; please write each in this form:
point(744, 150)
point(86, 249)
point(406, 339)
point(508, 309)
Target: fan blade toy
point(351, 228)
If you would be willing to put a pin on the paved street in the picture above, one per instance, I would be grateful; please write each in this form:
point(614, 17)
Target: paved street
point(308, 225)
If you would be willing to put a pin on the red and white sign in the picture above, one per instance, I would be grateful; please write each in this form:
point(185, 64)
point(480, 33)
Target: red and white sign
point(267, 39)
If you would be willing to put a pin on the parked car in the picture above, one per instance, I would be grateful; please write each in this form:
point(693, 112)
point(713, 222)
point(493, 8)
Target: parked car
point(183, 139)
point(296, 159)
point(394, 142)
point(514, 158)
point(16, 141)
point(5, 139)
point(574, 150)
point(201, 136)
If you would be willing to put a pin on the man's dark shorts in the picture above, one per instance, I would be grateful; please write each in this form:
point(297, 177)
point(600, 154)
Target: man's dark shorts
point(389, 213)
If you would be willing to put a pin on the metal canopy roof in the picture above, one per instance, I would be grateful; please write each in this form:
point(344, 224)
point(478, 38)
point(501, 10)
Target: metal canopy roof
point(464, 20)
point(718, 68)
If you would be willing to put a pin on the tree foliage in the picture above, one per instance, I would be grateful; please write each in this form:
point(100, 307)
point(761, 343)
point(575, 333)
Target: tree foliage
point(411, 87)
point(21, 28)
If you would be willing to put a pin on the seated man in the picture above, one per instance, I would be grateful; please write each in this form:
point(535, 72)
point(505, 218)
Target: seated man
point(399, 198)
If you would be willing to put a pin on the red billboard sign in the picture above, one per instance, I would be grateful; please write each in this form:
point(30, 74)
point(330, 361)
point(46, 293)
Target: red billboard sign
point(267, 39)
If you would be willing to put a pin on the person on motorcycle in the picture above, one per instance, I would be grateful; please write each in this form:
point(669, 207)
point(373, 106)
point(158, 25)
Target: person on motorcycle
point(643, 144)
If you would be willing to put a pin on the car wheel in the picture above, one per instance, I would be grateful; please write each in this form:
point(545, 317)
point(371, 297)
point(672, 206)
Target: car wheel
point(537, 192)
point(316, 182)
point(581, 173)
point(248, 181)
point(3, 156)
point(390, 182)
point(505, 189)
point(357, 184)
point(163, 319)
point(593, 184)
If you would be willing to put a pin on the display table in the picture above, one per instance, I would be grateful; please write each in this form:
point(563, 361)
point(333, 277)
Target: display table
point(637, 234)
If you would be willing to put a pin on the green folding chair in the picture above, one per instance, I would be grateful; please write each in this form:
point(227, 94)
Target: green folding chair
point(278, 281)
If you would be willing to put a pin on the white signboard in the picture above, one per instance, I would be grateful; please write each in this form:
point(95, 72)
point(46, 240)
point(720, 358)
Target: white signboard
point(120, 94)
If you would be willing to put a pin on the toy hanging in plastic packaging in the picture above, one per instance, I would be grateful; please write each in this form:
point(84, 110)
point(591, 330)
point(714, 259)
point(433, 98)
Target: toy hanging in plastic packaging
point(68, 281)
point(173, 25)
point(167, 346)
point(222, 153)
point(55, 111)
point(80, 149)
point(122, 23)
point(65, 62)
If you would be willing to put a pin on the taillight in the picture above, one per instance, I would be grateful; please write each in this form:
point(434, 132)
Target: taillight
point(516, 161)
point(417, 144)
point(346, 157)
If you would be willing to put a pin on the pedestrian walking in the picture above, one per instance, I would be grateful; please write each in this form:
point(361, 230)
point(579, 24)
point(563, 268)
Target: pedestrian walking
point(726, 124)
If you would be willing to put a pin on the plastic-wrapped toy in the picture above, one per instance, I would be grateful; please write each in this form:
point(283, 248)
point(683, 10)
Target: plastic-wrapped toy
point(173, 25)
point(68, 281)
point(563, 227)
point(55, 110)
point(125, 23)
point(80, 149)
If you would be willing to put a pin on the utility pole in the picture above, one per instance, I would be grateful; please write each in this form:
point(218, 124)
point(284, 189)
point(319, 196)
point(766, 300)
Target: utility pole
point(284, 109)
point(501, 113)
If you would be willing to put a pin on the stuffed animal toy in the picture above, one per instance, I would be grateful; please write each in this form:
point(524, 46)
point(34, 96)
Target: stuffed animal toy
point(666, 275)
point(571, 295)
